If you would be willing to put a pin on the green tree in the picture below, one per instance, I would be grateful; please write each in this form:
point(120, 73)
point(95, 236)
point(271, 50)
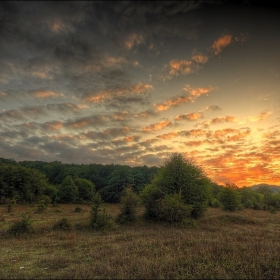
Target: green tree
point(251, 199)
point(86, 189)
point(181, 176)
point(151, 197)
point(52, 192)
point(21, 183)
point(68, 191)
point(120, 178)
point(230, 197)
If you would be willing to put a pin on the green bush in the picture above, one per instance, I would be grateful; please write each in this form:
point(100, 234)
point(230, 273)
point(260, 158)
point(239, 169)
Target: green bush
point(100, 221)
point(78, 209)
point(63, 224)
point(177, 178)
point(41, 206)
point(272, 210)
point(21, 227)
point(129, 206)
point(47, 200)
point(215, 203)
point(173, 210)
point(151, 197)
point(230, 198)
point(103, 221)
point(43, 203)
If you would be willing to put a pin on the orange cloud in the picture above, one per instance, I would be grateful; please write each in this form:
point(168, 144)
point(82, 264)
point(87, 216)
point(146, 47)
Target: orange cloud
point(55, 125)
point(177, 67)
point(201, 59)
point(196, 132)
point(45, 94)
point(224, 119)
point(190, 117)
point(260, 117)
point(194, 143)
point(87, 121)
point(173, 102)
point(185, 67)
point(271, 135)
point(157, 126)
point(221, 43)
point(131, 138)
point(198, 91)
point(217, 120)
point(133, 40)
point(168, 135)
point(108, 94)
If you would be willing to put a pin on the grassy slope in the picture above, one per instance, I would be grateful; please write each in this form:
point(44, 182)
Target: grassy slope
point(224, 245)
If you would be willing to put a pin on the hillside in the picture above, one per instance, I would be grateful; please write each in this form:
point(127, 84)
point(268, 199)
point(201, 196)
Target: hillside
point(274, 188)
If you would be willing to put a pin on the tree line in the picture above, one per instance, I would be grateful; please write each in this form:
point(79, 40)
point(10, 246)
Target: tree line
point(177, 190)
point(27, 181)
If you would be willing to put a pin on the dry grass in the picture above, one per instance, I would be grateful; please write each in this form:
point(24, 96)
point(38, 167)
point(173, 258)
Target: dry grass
point(223, 245)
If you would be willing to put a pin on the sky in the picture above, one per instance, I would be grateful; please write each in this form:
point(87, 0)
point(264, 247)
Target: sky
point(132, 82)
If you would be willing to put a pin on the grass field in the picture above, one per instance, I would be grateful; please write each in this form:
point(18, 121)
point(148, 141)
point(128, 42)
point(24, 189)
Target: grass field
point(223, 245)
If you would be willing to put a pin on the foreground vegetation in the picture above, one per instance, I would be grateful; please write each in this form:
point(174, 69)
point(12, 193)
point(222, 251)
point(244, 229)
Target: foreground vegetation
point(242, 244)
point(172, 222)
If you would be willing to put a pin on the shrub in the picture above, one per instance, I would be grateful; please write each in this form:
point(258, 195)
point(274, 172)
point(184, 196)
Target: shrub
point(43, 203)
point(9, 207)
point(100, 221)
point(272, 209)
point(78, 209)
point(47, 200)
point(41, 206)
point(129, 206)
point(21, 227)
point(151, 196)
point(63, 224)
point(230, 198)
point(103, 221)
point(173, 210)
point(215, 203)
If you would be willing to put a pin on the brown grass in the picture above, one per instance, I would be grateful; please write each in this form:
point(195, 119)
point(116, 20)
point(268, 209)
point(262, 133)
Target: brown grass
point(223, 245)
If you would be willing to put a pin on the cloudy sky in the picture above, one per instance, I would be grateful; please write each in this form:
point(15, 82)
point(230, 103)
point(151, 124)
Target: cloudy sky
point(130, 83)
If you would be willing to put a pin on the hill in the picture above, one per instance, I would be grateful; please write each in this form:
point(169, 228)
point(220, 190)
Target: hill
point(274, 188)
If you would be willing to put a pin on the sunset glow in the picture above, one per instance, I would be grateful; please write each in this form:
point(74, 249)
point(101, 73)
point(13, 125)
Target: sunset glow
point(130, 83)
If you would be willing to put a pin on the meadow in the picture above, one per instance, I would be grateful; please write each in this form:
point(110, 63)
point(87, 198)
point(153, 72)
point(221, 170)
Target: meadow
point(242, 245)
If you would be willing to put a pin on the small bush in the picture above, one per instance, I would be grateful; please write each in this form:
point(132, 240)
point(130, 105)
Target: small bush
point(103, 222)
point(100, 221)
point(41, 206)
point(215, 203)
point(78, 209)
point(21, 227)
point(230, 198)
point(9, 208)
point(46, 199)
point(63, 224)
point(151, 197)
point(129, 206)
point(272, 210)
point(173, 210)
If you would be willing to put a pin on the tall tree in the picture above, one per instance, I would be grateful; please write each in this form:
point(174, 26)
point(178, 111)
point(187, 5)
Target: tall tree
point(181, 176)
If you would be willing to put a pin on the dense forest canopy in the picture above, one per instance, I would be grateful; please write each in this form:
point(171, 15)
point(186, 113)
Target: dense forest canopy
point(110, 180)
point(57, 182)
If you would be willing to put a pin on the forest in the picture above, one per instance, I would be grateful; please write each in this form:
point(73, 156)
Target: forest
point(57, 182)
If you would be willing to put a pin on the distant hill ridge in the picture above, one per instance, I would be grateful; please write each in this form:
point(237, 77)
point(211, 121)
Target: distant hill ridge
point(274, 188)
